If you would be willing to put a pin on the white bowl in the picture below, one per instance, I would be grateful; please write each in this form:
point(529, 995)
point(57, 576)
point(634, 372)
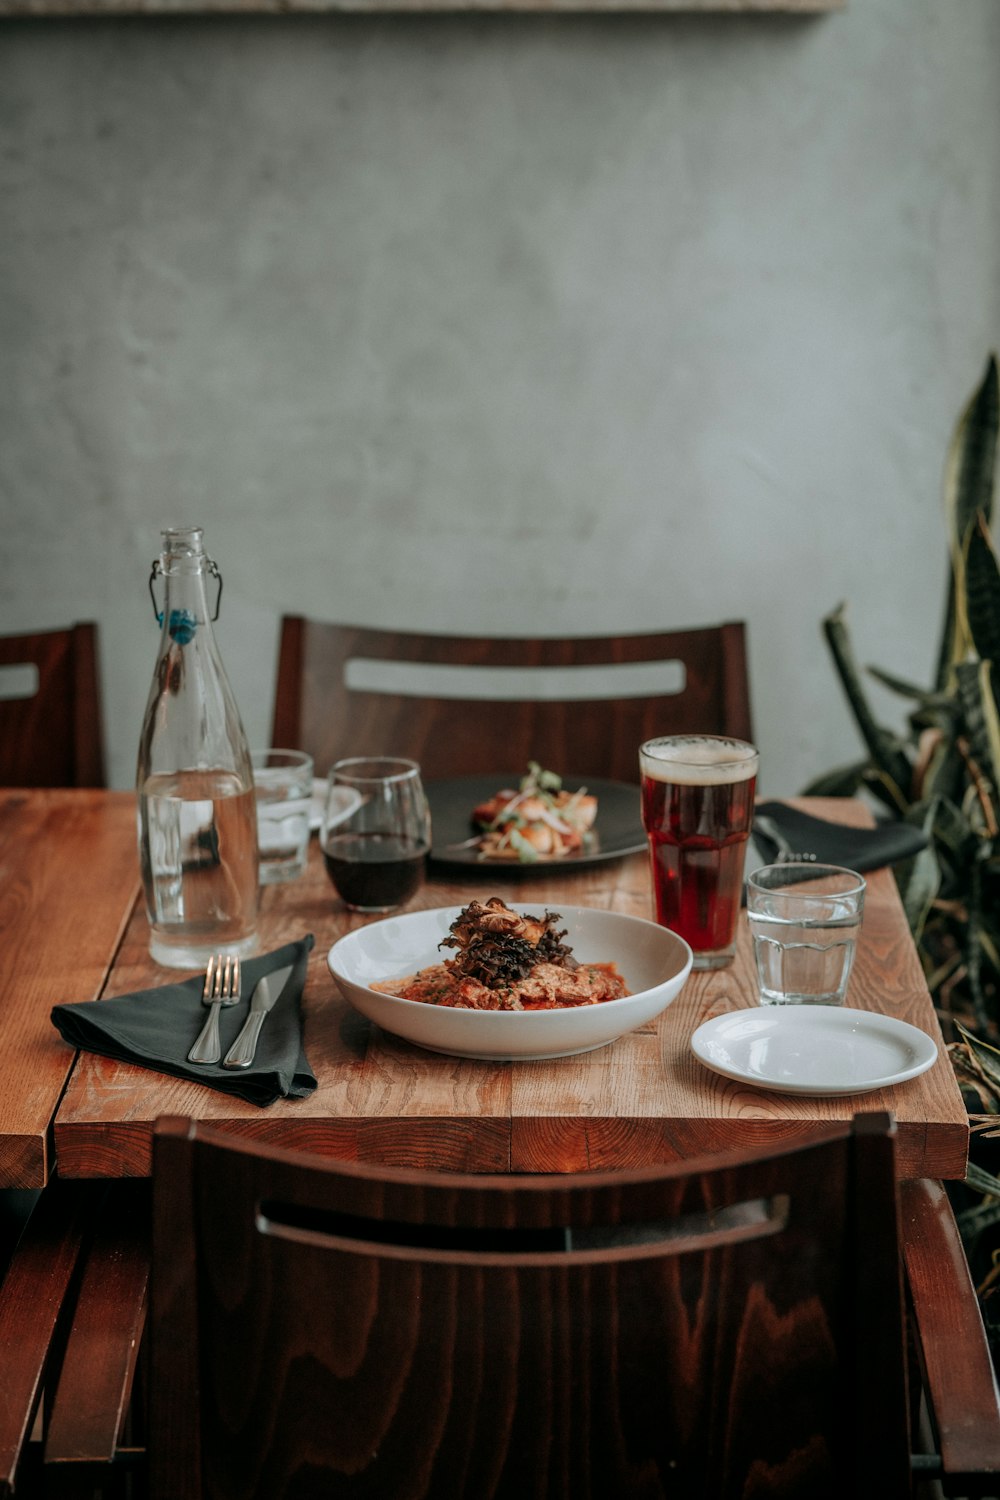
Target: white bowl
point(653, 961)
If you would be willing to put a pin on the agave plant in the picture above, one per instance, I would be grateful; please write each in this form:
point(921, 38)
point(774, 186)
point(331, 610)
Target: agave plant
point(943, 774)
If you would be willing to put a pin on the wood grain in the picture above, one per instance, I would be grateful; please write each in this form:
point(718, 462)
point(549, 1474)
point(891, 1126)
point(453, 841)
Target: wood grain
point(644, 1100)
point(69, 877)
point(32, 1294)
point(89, 1405)
point(954, 1354)
point(55, 735)
point(712, 1332)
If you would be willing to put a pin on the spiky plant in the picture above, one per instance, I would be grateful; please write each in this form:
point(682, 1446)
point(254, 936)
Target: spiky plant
point(943, 774)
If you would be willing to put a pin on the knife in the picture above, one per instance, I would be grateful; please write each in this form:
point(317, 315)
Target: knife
point(241, 1053)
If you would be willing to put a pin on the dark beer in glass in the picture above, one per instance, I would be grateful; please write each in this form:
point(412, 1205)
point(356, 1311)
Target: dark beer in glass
point(697, 810)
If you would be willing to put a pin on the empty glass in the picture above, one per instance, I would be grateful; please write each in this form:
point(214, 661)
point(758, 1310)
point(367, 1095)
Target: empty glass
point(376, 831)
point(283, 789)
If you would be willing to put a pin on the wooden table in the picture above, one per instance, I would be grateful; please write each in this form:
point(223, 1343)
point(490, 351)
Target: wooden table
point(73, 928)
point(69, 879)
point(72, 880)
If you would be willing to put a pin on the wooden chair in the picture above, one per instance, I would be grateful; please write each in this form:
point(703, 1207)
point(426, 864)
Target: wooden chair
point(729, 1327)
point(457, 704)
point(51, 732)
point(72, 1313)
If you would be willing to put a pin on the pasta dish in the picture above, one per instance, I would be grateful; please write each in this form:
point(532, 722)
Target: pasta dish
point(505, 961)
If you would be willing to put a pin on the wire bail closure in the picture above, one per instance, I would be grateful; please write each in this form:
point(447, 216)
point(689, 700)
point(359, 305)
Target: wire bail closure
point(156, 571)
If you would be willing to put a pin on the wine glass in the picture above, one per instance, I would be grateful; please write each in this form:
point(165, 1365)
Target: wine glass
point(376, 831)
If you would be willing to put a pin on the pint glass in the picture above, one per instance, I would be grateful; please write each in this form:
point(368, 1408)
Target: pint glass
point(697, 810)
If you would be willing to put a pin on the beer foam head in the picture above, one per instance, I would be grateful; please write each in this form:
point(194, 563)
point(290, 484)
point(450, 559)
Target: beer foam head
point(698, 760)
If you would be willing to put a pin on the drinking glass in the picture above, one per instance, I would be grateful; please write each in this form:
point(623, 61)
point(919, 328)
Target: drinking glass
point(804, 919)
point(375, 850)
point(283, 788)
point(697, 810)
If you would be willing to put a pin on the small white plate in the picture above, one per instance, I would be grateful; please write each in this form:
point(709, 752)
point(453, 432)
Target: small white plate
point(813, 1049)
point(349, 800)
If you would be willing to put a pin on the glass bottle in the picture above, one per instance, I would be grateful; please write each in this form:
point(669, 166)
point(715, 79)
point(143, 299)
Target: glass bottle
point(197, 822)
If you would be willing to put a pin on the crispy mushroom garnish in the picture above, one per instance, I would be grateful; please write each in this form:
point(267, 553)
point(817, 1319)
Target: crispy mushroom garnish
point(498, 946)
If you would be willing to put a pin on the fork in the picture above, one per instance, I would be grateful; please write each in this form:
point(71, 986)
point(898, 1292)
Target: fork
point(222, 987)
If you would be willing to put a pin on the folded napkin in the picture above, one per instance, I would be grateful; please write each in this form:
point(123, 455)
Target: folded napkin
point(782, 832)
point(155, 1028)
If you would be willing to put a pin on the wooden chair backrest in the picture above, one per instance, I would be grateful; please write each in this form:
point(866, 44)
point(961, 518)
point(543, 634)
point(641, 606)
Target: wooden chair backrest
point(51, 730)
point(727, 1327)
point(463, 706)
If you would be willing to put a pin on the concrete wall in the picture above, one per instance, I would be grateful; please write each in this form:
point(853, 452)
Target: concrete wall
point(498, 323)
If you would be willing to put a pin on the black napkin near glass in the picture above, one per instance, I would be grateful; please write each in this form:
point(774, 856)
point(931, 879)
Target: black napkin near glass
point(808, 837)
point(155, 1028)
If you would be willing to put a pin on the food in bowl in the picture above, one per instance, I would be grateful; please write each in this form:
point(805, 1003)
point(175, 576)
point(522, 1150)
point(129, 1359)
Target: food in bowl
point(536, 820)
point(507, 960)
point(654, 962)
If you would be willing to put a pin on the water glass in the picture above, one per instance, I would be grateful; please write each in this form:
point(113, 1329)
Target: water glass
point(804, 920)
point(283, 786)
point(697, 810)
point(375, 851)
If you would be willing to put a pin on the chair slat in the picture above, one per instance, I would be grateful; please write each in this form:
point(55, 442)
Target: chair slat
point(33, 1299)
point(91, 1401)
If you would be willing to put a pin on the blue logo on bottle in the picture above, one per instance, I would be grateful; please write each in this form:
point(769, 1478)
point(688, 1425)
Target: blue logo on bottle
point(182, 626)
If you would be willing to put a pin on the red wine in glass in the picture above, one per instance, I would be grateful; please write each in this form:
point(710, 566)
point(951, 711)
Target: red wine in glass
point(374, 872)
point(376, 831)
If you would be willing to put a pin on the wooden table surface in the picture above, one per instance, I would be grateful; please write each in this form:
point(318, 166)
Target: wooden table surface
point(73, 920)
point(69, 878)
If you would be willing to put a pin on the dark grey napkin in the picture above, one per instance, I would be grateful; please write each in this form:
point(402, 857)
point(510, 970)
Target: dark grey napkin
point(804, 836)
point(155, 1028)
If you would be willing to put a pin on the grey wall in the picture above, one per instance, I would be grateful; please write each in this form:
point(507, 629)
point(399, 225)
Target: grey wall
point(498, 324)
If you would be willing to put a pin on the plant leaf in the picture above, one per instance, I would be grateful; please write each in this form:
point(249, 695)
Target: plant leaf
point(949, 630)
point(919, 880)
point(972, 456)
point(982, 591)
point(982, 726)
point(889, 761)
point(988, 940)
point(952, 830)
point(968, 493)
point(987, 1057)
point(947, 773)
point(974, 946)
point(973, 1222)
point(842, 782)
point(971, 1082)
point(904, 689)
point(879, 785)
point(984, 1182)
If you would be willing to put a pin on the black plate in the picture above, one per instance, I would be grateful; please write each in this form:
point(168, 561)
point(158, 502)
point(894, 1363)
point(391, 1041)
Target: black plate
point(616, 832)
